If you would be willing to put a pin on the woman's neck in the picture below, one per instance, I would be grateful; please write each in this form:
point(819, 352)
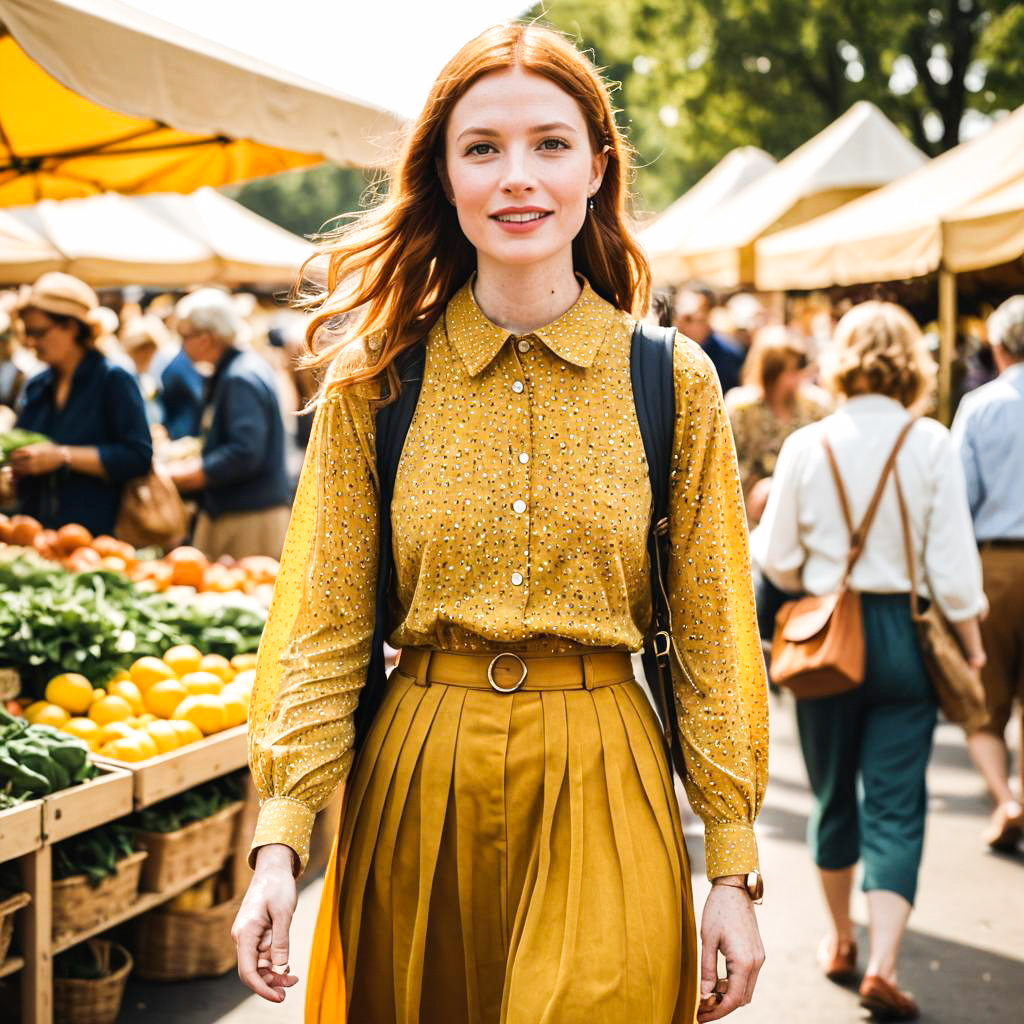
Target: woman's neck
point(521, 299)
point(65, 369)
point(781, 404)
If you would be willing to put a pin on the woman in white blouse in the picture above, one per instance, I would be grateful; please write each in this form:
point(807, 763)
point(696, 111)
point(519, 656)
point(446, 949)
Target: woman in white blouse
point(867, 750)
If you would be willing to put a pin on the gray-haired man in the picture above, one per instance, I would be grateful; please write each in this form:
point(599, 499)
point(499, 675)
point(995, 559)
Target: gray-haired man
point(989, 432)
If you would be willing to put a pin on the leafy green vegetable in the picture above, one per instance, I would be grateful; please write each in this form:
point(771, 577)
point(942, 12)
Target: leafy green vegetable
point(94, 853)
point(36, 760)
point(12, 440)
point(98, 622)
point(192, 805)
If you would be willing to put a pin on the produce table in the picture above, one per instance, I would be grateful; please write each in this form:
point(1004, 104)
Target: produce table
point(28, 831)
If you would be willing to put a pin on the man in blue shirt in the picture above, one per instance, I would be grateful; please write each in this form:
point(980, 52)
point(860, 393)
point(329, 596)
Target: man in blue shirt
point(241, 473)
point(989, 433)
point(181, 397)
point(692, 318)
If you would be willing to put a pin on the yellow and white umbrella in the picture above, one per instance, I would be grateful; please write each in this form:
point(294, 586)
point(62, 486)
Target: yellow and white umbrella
point(100, 97)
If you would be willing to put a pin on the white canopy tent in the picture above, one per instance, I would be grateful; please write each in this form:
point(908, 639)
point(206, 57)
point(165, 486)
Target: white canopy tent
point(664, 236)
point(897, 232)
point(987, 232)
point(24, 253)
point(961, 211)
point(164, 240)
point(857, 153)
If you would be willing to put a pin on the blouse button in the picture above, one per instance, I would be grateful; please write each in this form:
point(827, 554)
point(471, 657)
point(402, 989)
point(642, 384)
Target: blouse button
point(517, 386)
point(524, 458)
point(519, 506)
point(523, 345)
point(517, 579)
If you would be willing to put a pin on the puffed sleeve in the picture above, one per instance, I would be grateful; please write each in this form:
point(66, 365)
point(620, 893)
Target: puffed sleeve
point(315, 649)
point(718, 671)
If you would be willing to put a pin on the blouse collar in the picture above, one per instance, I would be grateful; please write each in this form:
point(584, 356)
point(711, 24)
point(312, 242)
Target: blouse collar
point(576, 336)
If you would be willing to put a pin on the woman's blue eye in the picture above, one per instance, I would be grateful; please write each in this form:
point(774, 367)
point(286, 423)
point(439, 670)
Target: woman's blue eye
point(554, 144)
point(479, 149)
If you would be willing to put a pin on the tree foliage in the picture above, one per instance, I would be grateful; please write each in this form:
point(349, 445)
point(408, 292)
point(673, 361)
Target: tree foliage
point(304, 201)
point(699, 77)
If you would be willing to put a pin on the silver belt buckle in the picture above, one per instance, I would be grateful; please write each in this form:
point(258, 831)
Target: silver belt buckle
point(490, 673)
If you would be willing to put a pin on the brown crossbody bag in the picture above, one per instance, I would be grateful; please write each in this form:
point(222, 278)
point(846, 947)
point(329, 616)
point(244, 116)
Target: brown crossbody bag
point(818, 647)
point(957, 685)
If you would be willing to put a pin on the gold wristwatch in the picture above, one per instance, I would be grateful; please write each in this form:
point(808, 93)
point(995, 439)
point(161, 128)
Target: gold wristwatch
point(752, 885)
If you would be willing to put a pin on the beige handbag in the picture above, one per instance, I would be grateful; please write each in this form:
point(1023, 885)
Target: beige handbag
point(818, 647)
point(152, 513)
point(957, 685)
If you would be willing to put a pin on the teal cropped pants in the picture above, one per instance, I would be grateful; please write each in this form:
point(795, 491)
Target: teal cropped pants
point(866, 753)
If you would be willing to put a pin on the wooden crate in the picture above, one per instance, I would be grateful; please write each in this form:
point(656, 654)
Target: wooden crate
point(80, 808)
point(169, 774)
point(21, 830)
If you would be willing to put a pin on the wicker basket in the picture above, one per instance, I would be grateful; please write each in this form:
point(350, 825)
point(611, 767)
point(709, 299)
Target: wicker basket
point(9, 906)
point(98, 1001)
point(77, 906)
point(174, 945)
point(193, 851)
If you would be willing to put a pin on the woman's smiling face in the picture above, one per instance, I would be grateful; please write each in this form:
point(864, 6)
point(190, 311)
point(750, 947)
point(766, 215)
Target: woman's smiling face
point(519, 167)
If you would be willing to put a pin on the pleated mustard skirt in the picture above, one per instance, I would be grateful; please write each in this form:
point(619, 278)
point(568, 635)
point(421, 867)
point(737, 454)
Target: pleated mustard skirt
point(508, 859)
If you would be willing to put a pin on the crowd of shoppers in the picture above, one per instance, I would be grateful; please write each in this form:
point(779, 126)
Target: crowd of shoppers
point(106, 401)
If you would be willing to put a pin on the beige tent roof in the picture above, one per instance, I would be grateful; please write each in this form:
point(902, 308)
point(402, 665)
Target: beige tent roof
point(986, 232)
point(897, 232)
point(160, 240)
point(664, 236)
point(99, 96)
point(855, 154)
point(24, 254)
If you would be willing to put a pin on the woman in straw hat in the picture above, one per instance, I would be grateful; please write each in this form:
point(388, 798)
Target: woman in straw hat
point(510, 848)
point(91, 411)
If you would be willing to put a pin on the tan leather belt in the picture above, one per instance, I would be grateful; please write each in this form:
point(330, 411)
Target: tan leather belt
point(509, 673)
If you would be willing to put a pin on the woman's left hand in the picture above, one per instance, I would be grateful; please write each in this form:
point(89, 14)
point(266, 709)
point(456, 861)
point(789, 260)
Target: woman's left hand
point(730, 926)
point(36, 459)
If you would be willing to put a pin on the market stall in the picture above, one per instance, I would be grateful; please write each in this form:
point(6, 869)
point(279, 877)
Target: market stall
point(126, 679)
point(902, 230)
point(854, 155)
point(160, 239)
point(668, 233)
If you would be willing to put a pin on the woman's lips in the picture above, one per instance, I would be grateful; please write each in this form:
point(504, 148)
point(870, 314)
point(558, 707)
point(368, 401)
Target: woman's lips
point(521, 222)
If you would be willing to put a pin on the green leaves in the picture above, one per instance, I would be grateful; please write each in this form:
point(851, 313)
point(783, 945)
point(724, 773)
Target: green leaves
point(98, 623)
point(700, 77)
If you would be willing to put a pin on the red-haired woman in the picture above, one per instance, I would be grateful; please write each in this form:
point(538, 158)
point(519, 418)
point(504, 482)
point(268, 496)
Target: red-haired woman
point(506, 857)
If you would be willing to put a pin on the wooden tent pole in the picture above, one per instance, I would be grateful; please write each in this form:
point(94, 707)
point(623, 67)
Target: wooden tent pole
point(947, 342)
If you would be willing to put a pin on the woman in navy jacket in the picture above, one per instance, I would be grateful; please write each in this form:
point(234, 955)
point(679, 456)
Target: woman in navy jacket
point(91, 411)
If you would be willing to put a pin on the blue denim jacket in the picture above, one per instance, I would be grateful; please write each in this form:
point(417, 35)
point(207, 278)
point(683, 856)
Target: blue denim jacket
point(104, 410)
point(243, 444)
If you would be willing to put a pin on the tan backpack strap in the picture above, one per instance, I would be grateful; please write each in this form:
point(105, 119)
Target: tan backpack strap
point(908, 549)
point(859, 536)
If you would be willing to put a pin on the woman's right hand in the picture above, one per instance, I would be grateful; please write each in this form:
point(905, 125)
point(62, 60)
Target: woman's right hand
point(261, 927)
point(969, 634)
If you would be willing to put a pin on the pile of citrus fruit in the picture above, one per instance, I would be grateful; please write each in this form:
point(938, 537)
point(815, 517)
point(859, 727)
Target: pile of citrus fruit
point(158, 705)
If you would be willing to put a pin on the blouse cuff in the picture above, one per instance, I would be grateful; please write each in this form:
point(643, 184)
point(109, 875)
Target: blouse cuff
point(287, 821)
point(730, 849)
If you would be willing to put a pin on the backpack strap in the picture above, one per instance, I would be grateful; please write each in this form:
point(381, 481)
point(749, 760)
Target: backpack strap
point(391, 428)
point(653, 379)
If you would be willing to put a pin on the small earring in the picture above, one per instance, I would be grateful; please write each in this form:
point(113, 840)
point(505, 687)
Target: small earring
point(590, 204)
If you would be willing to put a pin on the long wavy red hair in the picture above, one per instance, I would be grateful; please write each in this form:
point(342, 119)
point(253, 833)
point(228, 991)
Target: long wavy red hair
point(394, 268)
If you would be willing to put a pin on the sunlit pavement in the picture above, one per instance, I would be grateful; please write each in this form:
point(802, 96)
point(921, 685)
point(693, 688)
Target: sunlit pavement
point(963, 958)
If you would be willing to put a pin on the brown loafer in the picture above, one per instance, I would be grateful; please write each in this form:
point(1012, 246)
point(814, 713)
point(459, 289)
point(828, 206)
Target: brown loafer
point(885, 1001)
point(838, 961)
point(1006, 827)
